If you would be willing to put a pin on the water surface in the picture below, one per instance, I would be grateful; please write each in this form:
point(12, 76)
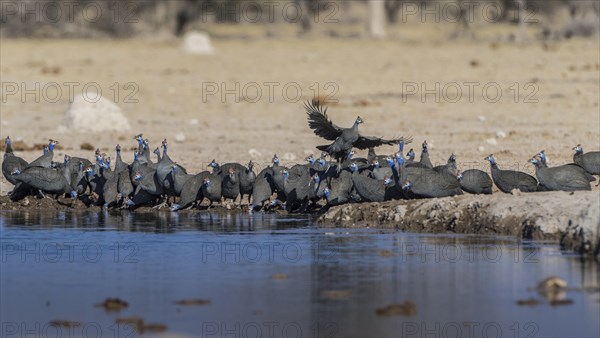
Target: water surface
point(272, 276)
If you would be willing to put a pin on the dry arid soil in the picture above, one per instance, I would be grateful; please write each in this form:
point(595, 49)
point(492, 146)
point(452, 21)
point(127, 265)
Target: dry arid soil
point(371, 78)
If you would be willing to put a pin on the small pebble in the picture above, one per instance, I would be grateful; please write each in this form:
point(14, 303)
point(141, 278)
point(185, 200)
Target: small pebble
point(491, 141)
point(254, 153)
point(180, 138)
point(481, 149)
point(194, 122)
point(481, 118)
point(289, 157)
point(500, 134)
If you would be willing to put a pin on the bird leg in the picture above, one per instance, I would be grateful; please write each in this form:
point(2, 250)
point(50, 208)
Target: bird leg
point(161, 205)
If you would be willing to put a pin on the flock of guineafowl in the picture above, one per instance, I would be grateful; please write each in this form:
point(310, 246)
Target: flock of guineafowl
point(341, 179)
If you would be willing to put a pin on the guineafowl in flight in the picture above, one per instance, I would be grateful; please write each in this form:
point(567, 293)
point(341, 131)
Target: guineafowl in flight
point(344, 139)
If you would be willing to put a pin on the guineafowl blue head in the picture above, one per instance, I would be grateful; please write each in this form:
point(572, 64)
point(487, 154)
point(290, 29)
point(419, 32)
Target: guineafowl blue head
point(327, 193)
point(164, 144)
point(16, 171)
point(136, 155)
point(376, 164)
point(73, 194)
point(46, 150)
point(275, 160)
point(425, 146)
point(390, 161)
point(353, 167)
point(89, 170)
point(139, 138)
point(67, 159)
point(52, 144)
point(322, 161)
point(411, 154)
point(118, 148)
point(452, 158)
point(7, 140)
point(138, 177)
point(542, 156)
point(351, 154)
point(213, 164)
point(106, 163)
point(491, 159)
point(156, 152)
point(407, 185)
point(388, 181)
point(359, 120)
point(578, 149)
point(250, 165)
point(316, 178)
point(146, 144)
point(175, 168)
point(311, 160)
point(286, 174)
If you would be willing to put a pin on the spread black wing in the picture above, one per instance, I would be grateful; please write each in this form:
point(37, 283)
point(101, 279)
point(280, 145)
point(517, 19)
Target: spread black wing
point(365, 142)
point(319, 122)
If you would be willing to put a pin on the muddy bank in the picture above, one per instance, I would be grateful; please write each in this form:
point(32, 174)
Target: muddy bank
point(571, 218)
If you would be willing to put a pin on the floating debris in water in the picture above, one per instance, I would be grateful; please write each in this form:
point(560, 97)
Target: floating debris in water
point(552, 283)
point(154, 328)
point(279, 276)
point(136, 322)
point(64, 323)
point(113, 304)
point(197, 301)
point(528, 302)
point(407, 308)
point(559, 302)
point(387, 253)
point(336, 294)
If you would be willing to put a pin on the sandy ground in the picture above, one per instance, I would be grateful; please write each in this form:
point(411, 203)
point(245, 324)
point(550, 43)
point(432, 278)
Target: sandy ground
point(370, 78)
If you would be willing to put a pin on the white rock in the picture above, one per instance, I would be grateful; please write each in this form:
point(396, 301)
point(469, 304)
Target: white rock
point(481, 149)
point(195, 42)
point(500, 134)
point(194, 122)
point(180, 138)
point(254, 153)
point(86, 116)
point(491, 141)
point(481, 118)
